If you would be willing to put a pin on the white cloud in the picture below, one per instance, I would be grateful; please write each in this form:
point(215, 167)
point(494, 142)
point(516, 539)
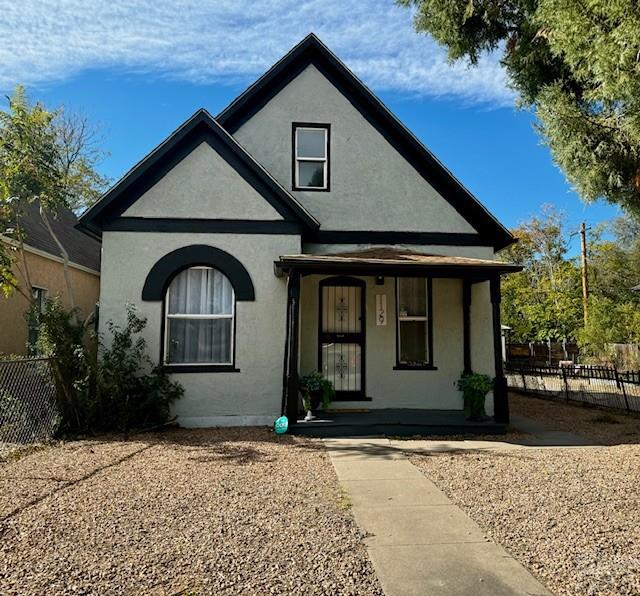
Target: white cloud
point(231, 40)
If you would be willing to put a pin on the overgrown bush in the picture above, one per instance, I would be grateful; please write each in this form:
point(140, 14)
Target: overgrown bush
point(133, 392)
point(104, 385)
point(72, 350)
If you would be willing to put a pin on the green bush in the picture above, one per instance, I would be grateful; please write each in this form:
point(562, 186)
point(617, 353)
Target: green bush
point(104, 386)
point(133, 392)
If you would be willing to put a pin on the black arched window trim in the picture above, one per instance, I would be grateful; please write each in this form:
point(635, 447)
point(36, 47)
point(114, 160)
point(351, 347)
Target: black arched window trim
point(199, 255)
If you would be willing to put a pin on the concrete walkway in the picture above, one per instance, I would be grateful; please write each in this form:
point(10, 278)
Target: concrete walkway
point(418, 540)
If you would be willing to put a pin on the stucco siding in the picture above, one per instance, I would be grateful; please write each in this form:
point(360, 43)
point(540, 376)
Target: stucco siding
point(203, 185)
point(390, 388)
point(372, 186)
point(49, 275)
point(252, 395)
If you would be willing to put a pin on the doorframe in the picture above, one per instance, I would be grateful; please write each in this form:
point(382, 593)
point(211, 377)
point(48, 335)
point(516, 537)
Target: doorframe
point(359, 338)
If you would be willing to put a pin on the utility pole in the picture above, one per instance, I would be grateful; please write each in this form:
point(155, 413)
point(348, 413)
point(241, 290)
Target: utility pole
point(585, 277)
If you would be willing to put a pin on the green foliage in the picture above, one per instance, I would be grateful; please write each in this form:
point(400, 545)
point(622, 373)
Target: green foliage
point(45, 157)
point(543, 301)
point(315, 383)
point(609, 322)
point(474, 388)
point(117, 391)
point(574, 61)
point(133, 392)
point(72, 351)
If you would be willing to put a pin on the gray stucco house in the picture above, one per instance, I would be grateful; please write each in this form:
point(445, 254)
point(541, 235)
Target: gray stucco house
point(304, 228)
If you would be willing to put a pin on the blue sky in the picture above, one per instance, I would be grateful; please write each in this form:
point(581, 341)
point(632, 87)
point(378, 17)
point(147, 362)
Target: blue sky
point(137, 70)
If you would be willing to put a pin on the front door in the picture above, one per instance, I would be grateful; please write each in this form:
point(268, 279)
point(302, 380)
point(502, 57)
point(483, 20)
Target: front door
point(341, 349)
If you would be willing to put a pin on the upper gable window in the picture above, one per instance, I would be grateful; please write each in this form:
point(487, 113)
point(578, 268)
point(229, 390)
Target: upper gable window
point(311, 157)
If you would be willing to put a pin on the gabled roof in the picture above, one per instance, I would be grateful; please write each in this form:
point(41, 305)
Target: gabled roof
point(312, 51)
point(201, 127)
point(82, 250)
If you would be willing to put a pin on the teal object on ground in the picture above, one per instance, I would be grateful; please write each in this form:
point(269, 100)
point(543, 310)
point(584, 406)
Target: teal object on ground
point(281, 425)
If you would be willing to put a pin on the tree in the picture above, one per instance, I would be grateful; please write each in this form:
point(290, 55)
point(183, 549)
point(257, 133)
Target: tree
point(48, 158)
point(574, 61)
point(543, 301)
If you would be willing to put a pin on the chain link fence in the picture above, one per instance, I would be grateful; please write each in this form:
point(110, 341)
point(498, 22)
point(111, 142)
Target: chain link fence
point(596, 385)
point(28, 411)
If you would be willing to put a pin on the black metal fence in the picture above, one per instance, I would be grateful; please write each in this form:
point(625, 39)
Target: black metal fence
point(595, 385)
point(28, 411)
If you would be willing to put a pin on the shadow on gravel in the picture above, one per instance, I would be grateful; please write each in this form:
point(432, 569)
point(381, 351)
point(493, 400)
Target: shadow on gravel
point(66, 484)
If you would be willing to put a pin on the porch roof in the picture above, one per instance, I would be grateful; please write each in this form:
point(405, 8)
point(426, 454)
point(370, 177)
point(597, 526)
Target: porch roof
point(393, 261)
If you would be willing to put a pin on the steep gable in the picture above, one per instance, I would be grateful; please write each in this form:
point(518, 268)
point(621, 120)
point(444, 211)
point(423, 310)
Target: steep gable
point(396, 184)
point(199, 176)
point(204, 185)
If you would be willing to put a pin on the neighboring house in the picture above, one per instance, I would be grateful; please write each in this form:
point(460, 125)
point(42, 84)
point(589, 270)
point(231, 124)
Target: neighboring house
point(304, 228)
point(45, 266)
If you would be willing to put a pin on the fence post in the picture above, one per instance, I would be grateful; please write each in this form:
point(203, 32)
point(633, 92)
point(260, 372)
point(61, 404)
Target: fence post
point(524, 382)
point(620, 384)
point(566, 384)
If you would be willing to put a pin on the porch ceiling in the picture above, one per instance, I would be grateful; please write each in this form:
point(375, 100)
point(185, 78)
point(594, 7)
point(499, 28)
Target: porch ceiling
point(393, 261)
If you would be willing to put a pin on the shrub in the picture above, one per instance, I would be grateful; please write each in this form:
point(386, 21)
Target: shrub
point(133, 392)
point(104, 386)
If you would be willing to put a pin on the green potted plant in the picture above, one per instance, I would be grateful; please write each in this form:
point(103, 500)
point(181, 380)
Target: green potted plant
point(474, 387)
point(316, 391)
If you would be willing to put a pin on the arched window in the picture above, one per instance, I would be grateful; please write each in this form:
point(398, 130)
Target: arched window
point(200, 311)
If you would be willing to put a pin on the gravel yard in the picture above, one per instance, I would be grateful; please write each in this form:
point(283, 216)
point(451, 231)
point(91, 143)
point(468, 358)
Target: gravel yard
point(226, 511)
point(605, 427)
point(572, 516)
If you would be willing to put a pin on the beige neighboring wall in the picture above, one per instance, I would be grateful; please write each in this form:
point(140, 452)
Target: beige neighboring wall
point(48, 274)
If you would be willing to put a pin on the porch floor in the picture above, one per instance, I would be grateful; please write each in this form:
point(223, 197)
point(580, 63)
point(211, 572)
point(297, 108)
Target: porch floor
point(394, 422)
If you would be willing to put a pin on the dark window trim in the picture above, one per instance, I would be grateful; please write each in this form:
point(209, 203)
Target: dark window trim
point(362, 336)
point(197, 368)
point(179, 367)
point(163, 272)
point(294, 127)
point(429, 364)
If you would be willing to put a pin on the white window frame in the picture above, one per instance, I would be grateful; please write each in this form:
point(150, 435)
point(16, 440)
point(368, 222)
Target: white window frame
point(298, 159)
point(168, 317)
point(408, 317)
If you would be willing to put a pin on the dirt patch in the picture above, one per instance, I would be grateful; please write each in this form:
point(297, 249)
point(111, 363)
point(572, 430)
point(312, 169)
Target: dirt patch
point(224, 511)
point(604, 427)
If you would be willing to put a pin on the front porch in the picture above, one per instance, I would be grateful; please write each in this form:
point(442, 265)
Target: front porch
point(393, 330)
point(394, 422)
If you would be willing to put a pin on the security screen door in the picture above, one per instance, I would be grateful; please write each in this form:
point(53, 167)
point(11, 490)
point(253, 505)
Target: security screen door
point(341, 349)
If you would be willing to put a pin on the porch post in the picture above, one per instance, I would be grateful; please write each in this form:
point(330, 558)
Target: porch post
point(293, 295)
point(500, 396)
point(466, 323)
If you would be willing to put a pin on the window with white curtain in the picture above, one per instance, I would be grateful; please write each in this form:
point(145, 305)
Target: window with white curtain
point(200, 310)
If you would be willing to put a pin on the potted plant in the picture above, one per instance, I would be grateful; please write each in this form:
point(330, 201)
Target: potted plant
point(316, 391)
point(474, 387)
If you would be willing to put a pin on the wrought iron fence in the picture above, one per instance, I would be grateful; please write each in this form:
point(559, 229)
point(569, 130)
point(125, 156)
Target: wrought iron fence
point(595, 385)
point(28, 411)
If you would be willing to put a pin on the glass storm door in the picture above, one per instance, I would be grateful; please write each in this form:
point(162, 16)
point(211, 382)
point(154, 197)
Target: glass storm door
point(342, 336)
